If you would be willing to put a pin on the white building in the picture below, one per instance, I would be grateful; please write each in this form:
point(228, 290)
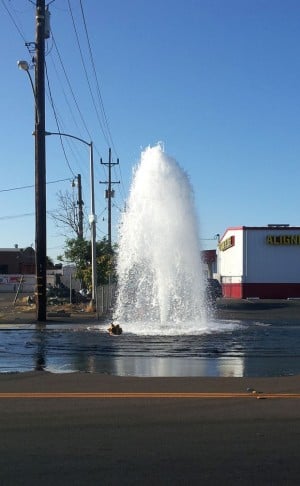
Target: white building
point(261, 262)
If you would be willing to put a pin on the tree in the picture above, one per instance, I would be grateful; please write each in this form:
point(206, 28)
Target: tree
point(66, 216)
point(79, 251)
point(106, 261)
point(49, 262)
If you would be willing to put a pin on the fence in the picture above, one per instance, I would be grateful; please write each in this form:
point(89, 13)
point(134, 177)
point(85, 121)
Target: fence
point(106, 299)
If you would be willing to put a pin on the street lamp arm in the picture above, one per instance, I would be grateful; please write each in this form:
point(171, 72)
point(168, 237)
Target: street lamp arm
point(31, 82)
point(70, 136)
point(35, 97)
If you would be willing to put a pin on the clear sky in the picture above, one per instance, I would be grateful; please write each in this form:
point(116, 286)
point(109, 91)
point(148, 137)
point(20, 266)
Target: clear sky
point(216, 80)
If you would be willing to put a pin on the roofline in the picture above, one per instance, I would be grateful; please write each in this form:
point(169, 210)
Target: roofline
point(257, 228)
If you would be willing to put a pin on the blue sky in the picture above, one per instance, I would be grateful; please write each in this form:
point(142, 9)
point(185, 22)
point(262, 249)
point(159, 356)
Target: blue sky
point(216, 80)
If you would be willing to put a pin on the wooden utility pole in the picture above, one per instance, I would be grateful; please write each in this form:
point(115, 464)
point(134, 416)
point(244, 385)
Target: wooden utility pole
point(40, 164)
point(109, 193)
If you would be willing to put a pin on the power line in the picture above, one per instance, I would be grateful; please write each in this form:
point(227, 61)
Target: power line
point(73, 94)
point(100, 96)
point(97, 82)
point(56, 119)
point(86, 74)
point(73, 147)
point(14, 216)
point(70, 87)
point(123, 196)
point(13, 21)
point(32, 185)
point(100, 99)
point(65, 96)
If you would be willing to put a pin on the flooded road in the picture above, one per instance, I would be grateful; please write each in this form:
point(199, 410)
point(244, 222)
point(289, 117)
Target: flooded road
point(234, 348)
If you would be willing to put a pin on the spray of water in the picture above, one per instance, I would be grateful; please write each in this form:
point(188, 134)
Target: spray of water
point(160, 281)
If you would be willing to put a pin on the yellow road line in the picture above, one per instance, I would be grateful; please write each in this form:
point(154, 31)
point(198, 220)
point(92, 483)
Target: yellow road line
point(137, 395)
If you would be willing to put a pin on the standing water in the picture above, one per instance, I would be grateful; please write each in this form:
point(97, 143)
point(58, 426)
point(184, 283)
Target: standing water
point(160, 279)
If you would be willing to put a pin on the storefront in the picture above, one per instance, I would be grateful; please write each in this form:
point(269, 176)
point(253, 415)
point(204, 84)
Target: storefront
point(260, 262)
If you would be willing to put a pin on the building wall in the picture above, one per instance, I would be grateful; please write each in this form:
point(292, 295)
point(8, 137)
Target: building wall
point(9, 260)
point(230, 262)
point(17, 261)
point(271, 263)
point(263, 262)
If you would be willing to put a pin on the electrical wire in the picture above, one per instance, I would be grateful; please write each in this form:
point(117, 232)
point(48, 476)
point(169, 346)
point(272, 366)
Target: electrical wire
point(70, 87)
point(57, 124)
point(17, 216)
point(14, 216)
point(32, 185)
point(71, 144)
point(87, 76)
point(72, 92)
point(65, 96)
point(73, 96)
point(13, 21)
point(104, 124)
point(97, 82)
point(115, 168)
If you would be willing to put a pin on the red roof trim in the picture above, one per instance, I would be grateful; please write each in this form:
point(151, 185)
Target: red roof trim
point(258, 228)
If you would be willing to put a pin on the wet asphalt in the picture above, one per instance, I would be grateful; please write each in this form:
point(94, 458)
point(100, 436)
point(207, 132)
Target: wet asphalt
point(167, 441)
point(56, 439)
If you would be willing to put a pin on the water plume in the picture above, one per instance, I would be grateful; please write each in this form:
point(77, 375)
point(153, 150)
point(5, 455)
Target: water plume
point(160, 279)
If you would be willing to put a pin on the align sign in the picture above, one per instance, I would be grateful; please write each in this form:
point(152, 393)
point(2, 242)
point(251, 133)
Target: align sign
point(283, 239)
point(226, 244)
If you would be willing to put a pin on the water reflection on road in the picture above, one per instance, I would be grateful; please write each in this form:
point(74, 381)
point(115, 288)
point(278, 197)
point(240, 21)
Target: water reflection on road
point(236, 348)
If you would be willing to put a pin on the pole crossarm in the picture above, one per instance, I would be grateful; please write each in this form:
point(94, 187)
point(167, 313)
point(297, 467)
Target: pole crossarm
point(109, 164)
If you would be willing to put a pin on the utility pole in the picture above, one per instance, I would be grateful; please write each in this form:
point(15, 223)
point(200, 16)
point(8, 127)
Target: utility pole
point(80, 207)
point(92, 221)
point(40, 164)
point(109, 193)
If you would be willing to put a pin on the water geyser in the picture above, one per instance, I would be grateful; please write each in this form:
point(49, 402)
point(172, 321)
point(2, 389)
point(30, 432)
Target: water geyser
point(160, 279)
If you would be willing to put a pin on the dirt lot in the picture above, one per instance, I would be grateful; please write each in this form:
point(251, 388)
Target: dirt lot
point(19, 311)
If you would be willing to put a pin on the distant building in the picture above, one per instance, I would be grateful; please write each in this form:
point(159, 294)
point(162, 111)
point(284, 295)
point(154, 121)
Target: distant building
point(262, 262)
point(68, 277)
point(209, 262)
point(17, 270)
point(17, 261)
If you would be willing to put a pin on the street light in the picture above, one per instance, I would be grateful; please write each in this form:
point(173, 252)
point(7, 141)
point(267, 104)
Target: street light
point(92, 216)
point(24, 66)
